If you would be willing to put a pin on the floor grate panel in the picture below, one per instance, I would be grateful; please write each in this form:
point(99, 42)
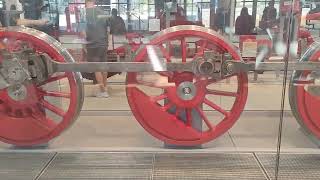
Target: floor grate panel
point(100, 166)
point(22, 166)
point(159, 166)
point(292, 166)
point(206, 167)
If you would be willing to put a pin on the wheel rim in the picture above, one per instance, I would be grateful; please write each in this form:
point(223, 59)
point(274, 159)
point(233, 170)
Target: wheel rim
point(168, 126)
point(305, 105)
point(27, 122)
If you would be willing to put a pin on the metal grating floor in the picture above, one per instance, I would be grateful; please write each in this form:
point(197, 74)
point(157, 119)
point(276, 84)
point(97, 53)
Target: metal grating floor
point(156, 166)
point(292, 166)
point(24, 166)
point(206, 166)
point(100, 166)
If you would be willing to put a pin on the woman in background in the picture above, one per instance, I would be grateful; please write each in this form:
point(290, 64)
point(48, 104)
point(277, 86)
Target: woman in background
point(244, 23)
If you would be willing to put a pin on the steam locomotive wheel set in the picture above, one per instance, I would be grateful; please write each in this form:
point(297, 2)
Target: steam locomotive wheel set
point(169, 126)
point(24, 121)
point(30, 61)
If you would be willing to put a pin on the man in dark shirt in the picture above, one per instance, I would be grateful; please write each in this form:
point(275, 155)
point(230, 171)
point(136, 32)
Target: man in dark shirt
point(269, 16)
point(96, 35)
point(117, 25)
point(32, 8)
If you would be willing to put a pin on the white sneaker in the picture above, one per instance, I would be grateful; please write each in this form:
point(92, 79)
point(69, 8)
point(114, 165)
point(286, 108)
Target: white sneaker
point(102, 95)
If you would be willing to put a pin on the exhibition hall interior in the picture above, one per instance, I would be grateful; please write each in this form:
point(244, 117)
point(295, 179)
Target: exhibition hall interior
point(166, 89)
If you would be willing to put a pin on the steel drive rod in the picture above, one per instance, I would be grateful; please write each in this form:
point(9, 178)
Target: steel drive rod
point(234, 67)
point(119, 67)
point(229, 66)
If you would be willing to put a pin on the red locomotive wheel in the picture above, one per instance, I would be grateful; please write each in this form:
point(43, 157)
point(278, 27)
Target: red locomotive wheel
point(35, 119)
point(167, 104)
point(305, 106)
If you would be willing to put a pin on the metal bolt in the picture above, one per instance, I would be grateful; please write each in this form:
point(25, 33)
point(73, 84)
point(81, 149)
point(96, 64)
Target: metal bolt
point(187, 90)
point(17, 93)
point(206, 68)
point(230, 67)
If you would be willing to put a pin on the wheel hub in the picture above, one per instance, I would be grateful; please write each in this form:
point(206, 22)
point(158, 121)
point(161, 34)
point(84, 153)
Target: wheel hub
point(14, 71)
point(186, 91)
point(20, 100)
point(17, 92)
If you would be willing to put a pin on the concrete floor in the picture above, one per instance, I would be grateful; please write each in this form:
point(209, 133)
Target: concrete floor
point(255, 131)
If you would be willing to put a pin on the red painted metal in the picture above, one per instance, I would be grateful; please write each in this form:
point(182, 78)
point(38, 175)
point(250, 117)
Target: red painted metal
point(164, 121)
point(26, 122)
point(313, 16)
point(286, 6)
point(308, 105)
point(305, 34)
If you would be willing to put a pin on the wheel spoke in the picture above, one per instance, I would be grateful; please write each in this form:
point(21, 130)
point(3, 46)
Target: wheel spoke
point(159, 98)
point(200, 52)
point(53, 79)
point(166, 74)
point(44, 122)
point(205, 119)
point(147, 84)
point(178, 111)
point(216, 107)
point(188, 117)
point(56, 94)
point(184, 50)
point(165, 53)
point(211, 81)
point(52, 108)
point(166, 107)
point(222, 93)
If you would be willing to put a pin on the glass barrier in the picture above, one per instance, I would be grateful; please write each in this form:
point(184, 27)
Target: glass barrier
point(299, 131)
point(229, 77)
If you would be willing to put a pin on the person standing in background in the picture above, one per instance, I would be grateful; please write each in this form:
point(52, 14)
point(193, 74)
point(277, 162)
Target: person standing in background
point(12, 18)
point(244, 23)
point(96, 35)
point(219, 20)
point(269, 16)
point(117, 25)
point(32, 8)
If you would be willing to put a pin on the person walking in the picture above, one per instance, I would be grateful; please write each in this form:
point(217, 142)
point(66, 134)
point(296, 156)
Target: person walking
point(97, 38)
